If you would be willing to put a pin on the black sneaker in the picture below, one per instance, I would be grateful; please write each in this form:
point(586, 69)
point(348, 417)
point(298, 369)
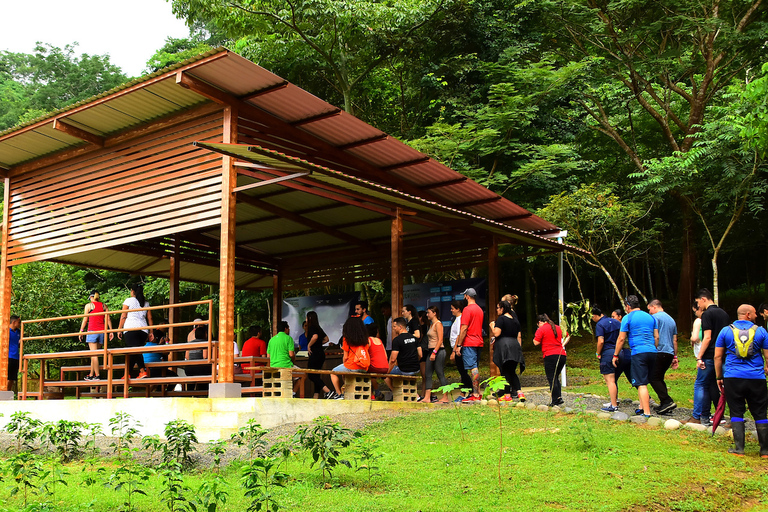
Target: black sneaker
point(90, 377)
point(330, 395)
point(666, 408)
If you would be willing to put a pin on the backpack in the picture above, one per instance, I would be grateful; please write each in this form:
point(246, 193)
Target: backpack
point(744, 339)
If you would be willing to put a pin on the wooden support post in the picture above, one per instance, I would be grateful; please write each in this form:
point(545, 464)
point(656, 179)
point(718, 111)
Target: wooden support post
point(227, 254)
point(397, 264)
point(493, 292)
point(174, 314)
point(5, 291)
point(277, 301)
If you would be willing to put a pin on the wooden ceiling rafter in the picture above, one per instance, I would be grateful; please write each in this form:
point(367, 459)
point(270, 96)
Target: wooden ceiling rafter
point(305, 211)
point(310, 231)
point(287, 214)
point(59, 124)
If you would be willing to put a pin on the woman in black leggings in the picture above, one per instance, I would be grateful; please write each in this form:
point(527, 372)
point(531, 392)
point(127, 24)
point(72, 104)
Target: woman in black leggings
point(507, 353)
point(134, 319)
point(315, 339)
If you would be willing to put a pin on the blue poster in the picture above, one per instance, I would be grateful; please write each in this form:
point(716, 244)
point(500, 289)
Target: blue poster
point(441, 294)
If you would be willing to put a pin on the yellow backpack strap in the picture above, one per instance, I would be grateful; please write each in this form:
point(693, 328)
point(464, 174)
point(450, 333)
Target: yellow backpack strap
point(743, 339)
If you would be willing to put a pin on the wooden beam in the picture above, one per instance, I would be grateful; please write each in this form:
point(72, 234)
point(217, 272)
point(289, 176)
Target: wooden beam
point(277, 301)
point(271, 181)
point(174, 273)
point(363, 142)
point(265, 90)
point(227, 253)
point(287, 214)
point(5, 289)
point(203, 89)
point(478, 202)
point(74, 131)
point(310, 231)
point(448, 183)
point(407, 163)
point(319, 117)
point(493, 292)
point(397, 271)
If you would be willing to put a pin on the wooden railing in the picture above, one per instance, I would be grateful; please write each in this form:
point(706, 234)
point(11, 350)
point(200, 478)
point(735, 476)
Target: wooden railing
point(108, 354)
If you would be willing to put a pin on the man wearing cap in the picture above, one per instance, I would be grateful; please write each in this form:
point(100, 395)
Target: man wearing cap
point(666, 356)
point(95, 336)
point(470, 341)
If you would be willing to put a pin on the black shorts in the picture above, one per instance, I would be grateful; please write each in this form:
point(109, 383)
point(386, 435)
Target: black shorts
point(13, 369)
point(642, 368)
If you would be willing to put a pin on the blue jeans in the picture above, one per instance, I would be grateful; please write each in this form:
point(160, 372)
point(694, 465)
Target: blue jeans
point(705, 390)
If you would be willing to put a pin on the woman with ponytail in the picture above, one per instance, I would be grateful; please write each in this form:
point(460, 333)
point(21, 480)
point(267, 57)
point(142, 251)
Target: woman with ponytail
point(550, 337)
point(132, 319)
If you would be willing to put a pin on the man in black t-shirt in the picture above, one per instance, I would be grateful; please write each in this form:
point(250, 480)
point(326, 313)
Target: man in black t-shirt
point(705, 390)
point(406, 352)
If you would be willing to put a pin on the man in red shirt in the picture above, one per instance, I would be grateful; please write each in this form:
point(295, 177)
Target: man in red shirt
point(470, 341)
point(254, 346)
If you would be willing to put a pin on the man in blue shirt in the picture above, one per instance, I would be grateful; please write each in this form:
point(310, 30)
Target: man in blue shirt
point(361, 310)
point(643, 334)
point(744, 348)
point(13, 354)
point(665, 357)
point(606, 332)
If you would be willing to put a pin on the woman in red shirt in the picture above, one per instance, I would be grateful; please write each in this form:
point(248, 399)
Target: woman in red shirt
point(356, 355)
point(550, 337)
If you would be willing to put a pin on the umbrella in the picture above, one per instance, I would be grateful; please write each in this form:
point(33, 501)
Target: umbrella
point(719, 411)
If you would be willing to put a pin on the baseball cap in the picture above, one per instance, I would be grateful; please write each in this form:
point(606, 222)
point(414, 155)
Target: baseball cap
point(93, 292)
point(470, 292)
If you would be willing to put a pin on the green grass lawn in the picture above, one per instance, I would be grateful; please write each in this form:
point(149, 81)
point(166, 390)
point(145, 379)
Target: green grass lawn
point(550, 462)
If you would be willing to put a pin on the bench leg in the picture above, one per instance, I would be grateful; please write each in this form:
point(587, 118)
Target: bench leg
point(405, 389)
point(356, 387)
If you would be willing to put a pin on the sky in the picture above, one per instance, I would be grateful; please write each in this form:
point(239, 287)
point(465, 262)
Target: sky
point(130, 32)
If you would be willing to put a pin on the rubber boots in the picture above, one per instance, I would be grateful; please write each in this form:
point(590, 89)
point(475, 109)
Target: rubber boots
point(762, 437)
point(738, 438)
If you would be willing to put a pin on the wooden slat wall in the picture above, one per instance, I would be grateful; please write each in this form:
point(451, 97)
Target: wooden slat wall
point(155, 185)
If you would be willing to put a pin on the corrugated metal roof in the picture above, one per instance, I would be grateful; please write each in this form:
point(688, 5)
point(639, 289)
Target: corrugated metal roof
point(148, 98)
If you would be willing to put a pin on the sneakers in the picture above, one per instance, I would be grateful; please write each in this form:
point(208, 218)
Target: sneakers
point(693, 420)
point(609, 408)
point(505, 398)
point(639, 412)
point(433, 399)
point(459, 399)
point(331, 395)
point(607, 404)
point(142, 374)
point(471, 399)
point(520, 396)
point(336, 396)
point(707, 422)
point(666, 408)
point(91, 377)
point(553, 403)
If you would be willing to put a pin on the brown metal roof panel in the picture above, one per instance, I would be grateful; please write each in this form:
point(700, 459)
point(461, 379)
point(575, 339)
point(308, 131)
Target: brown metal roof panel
point(426, 173)
point(342, 129)
point(105, 119)
point(296, 243)
point(144, 105)
point(345, 215)
point(386, 152)
point(168, 90)
point(33, 144)
point(291, 103)
point(268, 228)
point(235, 74)
point(370, 231)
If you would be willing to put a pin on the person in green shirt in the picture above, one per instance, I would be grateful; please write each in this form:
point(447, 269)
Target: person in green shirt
point(280, 347)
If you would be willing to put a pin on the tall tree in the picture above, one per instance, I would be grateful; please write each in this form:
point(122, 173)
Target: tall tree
point(342, 41)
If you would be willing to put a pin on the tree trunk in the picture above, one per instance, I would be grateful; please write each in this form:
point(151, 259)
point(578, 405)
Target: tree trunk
point(688, 267)
point(529, 309)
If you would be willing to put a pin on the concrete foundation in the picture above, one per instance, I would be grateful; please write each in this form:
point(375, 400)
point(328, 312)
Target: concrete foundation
point(214, 418)
point(224, 390)
point(7, 395)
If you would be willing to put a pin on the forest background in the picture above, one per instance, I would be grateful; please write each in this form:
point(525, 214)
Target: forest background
point(639, 127)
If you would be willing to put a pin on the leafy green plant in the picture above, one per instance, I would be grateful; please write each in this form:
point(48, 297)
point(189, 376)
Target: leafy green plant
point(130, 476)
point(251, 436)
point(124, 429)
point(174, 491)
point(578, 318)
point(586, 431)
point(324, 439)
point(283, 448)
point(26, 471)
point(53, 477)
point(180, 439)
point(25, 428)
point(260, 477)
point(492, 386)
point(217, 448)
point(94, 429)
point(367, 456)
point(448, 389)
point(212, 493)
point(65, 436)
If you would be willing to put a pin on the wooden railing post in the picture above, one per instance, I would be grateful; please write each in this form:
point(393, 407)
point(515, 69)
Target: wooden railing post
point(5, 295)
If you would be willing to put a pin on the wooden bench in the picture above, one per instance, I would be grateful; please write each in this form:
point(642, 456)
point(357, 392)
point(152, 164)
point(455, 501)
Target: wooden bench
point(278, 382)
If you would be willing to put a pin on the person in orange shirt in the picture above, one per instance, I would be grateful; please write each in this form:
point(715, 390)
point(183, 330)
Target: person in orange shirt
point(356, 356)
point(379, 360)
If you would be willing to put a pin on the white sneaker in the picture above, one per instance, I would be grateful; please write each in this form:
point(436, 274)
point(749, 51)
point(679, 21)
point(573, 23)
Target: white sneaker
point(607, 404)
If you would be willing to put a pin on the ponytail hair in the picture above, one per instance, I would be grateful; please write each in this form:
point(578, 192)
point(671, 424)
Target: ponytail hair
point(512, 299)
point(435, 311)
point(544, 318)
point(138, 292)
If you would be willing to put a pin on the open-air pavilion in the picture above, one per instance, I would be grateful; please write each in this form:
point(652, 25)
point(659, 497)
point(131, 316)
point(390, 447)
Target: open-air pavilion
point(218, 171)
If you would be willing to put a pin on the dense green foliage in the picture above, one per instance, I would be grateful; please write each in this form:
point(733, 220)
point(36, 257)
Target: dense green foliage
point(642, 131)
